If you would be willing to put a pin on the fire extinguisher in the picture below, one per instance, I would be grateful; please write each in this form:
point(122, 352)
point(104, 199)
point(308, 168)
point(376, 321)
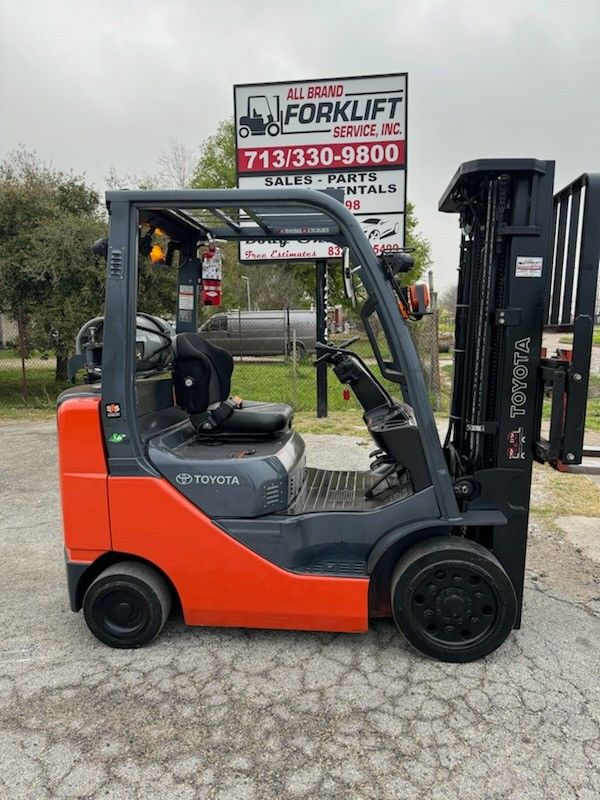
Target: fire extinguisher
point(212, 273)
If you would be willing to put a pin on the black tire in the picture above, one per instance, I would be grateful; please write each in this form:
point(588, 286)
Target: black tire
point(127, 605)
point(452, 599)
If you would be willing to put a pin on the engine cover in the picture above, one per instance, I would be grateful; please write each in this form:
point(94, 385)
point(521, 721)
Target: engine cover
point(233, 479)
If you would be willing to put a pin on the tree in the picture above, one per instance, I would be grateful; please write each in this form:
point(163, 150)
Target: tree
point(448, 300)
point(49, 280)
point(216, 166)
point(418, 245)
point(157, 288)
point(177, 165)
point(176, 170)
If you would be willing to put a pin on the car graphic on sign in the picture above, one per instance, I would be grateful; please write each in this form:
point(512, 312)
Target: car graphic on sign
point(379, 228)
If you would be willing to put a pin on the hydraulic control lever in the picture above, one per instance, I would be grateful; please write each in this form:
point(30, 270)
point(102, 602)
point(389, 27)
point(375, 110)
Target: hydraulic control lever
point(331, 350)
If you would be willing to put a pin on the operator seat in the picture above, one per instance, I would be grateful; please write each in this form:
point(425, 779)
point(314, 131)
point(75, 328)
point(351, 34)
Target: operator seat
point(202, 379)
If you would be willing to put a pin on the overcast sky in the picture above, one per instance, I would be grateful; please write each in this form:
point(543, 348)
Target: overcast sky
point(92, 85)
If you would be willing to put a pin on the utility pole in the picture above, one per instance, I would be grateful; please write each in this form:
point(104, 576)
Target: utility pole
point(247, 279)
point(321, 309)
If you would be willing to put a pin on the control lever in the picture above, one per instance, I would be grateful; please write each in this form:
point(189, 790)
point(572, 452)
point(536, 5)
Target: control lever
point(331, 349)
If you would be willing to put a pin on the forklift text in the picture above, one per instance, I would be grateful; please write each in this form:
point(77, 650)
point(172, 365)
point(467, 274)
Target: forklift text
point(520, 373)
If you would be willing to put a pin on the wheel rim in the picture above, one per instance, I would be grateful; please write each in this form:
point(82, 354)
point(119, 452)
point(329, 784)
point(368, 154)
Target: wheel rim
point(122, 612)
point(453, 604)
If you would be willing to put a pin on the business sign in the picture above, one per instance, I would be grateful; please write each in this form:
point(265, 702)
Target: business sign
point(342, 133)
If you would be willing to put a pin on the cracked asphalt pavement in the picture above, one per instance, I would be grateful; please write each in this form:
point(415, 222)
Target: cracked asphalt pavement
point(254, 715)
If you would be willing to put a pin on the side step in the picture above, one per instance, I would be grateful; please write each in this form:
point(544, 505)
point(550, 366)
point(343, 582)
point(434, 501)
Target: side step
point(341, 567)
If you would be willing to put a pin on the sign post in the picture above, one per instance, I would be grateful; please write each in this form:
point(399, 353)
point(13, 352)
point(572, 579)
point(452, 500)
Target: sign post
point(321, 299)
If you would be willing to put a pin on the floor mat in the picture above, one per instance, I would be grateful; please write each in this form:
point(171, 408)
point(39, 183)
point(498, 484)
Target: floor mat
point(343, 490)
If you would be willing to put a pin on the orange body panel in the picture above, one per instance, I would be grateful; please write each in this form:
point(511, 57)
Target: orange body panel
point(83, 478)
point(219, 580)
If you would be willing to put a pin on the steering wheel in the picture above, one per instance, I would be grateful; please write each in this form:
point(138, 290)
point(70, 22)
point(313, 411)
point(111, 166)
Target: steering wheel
point(331, 349)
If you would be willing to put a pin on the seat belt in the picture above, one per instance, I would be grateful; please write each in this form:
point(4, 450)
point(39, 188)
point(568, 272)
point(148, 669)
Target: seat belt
point(212, 418)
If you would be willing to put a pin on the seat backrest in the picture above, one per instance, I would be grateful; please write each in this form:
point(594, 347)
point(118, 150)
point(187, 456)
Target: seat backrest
point(202, 374)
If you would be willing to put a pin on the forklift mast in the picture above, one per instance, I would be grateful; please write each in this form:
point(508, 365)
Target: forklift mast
point(505, 209)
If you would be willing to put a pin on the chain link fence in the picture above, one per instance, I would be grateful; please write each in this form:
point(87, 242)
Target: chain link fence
point(273, 354)
point(29, 383)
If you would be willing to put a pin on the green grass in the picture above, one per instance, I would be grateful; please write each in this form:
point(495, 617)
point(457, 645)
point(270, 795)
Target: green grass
point(362, 348)
point(273, 382)
point(556, 490)
point(10, 354)
point(592, 421)
point(568, 338)
point(280, 383)
point(37, 401)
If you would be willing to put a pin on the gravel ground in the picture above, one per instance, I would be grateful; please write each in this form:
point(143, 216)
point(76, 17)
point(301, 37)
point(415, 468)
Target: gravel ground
point(254, 715)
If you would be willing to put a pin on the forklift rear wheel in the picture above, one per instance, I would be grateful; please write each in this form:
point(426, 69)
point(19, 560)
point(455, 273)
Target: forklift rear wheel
point(452, 599)
point(127, 605)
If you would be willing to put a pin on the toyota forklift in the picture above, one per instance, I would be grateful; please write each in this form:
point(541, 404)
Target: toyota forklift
point(177, 493)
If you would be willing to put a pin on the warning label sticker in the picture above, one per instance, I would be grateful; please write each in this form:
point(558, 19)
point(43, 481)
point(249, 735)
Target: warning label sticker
point(529, 267)
point(186, 296)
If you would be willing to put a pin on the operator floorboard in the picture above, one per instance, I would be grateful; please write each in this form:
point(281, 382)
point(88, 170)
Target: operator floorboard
point(343, 490)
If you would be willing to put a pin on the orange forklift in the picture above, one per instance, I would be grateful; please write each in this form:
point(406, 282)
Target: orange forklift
point(177, 493)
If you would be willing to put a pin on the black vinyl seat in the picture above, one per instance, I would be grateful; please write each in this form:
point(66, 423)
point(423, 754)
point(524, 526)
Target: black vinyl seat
point(202, 379)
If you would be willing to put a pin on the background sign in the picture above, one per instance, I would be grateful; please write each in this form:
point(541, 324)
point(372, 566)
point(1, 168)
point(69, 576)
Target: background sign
point(343, 133)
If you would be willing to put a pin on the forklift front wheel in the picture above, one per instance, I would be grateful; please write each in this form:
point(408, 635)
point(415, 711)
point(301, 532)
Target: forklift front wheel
point(452, 599)
point(127, 605)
